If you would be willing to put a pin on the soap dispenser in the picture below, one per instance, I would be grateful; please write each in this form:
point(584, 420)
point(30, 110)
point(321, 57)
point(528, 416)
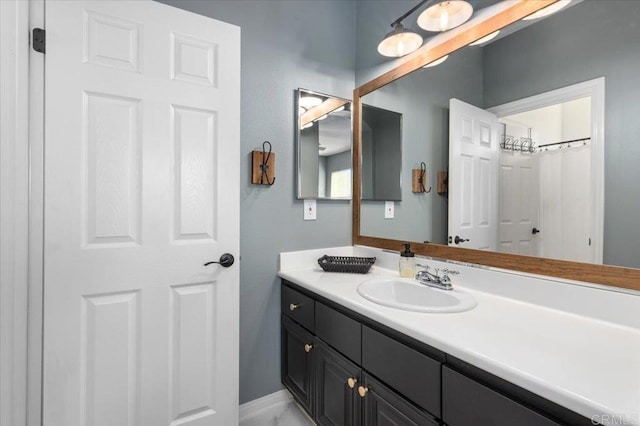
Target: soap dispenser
point(407, 262)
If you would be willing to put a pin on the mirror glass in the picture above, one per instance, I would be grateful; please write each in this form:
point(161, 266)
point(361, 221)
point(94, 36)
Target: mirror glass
point(381, 154)
point(323, 130)
point(553, 190)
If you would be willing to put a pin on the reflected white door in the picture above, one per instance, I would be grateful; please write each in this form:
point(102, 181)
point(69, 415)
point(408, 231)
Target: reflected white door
point(473, 164)
point(141, 189)
point(518, 211)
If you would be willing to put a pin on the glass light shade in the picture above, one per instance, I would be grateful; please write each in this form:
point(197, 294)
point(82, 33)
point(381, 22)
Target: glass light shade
point(341, 108)
point(436, 62)
point(399, 42)
point(310, 101)
point(445, 15)
point(321, 118)
point(553, 8)
point(485, 38)
point(306, 126)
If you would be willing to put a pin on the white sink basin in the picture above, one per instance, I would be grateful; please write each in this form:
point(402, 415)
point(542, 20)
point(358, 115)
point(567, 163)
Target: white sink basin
point(409, 295)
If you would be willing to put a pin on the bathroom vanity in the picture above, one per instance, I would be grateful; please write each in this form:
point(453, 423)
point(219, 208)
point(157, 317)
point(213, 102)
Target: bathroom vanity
point(350, 361)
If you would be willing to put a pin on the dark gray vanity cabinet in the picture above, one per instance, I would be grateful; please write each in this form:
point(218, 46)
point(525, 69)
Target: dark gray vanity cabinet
point(322, 365)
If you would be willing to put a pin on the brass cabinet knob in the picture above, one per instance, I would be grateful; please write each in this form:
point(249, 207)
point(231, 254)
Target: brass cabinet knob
point(362, 390)
point(352, 382)
point(294, 306)
point(308, 347)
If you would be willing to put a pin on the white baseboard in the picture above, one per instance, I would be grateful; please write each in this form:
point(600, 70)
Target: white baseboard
point(270, 404)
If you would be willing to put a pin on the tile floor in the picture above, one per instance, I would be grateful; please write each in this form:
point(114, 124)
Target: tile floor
point(286, 414)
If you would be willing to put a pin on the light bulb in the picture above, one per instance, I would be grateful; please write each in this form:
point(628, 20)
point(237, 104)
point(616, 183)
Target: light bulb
point(444, 19)
point(445, 15)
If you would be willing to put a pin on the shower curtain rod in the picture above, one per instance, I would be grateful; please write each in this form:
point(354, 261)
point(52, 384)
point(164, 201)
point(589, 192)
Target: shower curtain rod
point(563, 142)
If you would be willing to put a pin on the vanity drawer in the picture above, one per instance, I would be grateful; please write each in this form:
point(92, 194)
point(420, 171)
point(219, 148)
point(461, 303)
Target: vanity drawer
point(465, 402)
point(339, 331)
point(412, 374)
point(298, 307)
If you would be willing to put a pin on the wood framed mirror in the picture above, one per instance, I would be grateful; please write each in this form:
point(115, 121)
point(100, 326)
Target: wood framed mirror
point(511, 12)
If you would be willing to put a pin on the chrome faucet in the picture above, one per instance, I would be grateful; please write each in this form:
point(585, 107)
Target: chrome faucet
point(442, 282)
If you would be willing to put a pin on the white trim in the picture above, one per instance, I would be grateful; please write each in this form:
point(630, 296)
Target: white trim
point(36, 220)
point(595, 89)
point(14, 209)
point(271, 403)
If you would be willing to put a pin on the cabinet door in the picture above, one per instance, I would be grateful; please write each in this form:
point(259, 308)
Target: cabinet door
point(337, 403)
point(383, 407)
point(296, 369)
point(467, 402)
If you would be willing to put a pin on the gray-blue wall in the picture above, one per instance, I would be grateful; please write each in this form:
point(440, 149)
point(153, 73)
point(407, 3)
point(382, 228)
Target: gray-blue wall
point(590, 40)
point(285, 45)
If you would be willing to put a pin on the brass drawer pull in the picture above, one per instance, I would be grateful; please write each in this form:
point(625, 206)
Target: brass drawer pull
point(352, 382)
point(308, 347)
point(362, 390)
point(294, 306)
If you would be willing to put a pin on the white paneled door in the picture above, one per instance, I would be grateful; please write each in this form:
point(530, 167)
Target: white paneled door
point(473, 165)
point(518, 204)
point(141, 189)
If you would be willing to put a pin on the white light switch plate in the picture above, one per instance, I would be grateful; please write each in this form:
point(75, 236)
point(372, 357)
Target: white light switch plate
point(309, 209)
point(388, 209)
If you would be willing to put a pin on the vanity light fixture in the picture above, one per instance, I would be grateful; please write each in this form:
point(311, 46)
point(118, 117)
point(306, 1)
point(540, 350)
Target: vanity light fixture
point(399, 42)
point(341, 108)
point(310, 101)
point(485, 38)
point(436, 62)
point(306, 126)
point(444, 15)
point(441, 15)
point(553, 8)
point(322, 117)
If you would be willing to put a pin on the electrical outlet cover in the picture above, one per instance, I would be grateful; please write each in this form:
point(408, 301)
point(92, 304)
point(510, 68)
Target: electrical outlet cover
point(388, 209)
point(309, 209)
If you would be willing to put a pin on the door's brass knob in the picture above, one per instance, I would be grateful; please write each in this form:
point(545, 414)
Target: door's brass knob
point(308, 347)
point(362, 390)
point(293, 306)
point(352, 382)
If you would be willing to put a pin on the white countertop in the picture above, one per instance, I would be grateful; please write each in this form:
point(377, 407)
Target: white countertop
point(590, 366)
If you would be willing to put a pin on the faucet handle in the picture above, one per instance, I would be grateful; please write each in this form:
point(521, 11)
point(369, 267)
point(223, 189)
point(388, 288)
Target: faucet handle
point(445, 275)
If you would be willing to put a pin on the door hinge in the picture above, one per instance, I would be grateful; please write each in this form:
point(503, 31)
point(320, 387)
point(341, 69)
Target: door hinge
point(39, 40)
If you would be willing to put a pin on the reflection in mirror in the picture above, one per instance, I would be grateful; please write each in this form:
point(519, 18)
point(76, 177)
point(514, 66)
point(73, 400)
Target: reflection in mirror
point(323, 131)
point(590, 41)
point(381, 154)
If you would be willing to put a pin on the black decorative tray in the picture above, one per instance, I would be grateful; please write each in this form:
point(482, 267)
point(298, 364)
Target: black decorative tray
point(350, 264)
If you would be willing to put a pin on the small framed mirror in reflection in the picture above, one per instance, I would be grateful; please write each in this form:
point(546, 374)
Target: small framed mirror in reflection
point(381, 154)
point(323, 145)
